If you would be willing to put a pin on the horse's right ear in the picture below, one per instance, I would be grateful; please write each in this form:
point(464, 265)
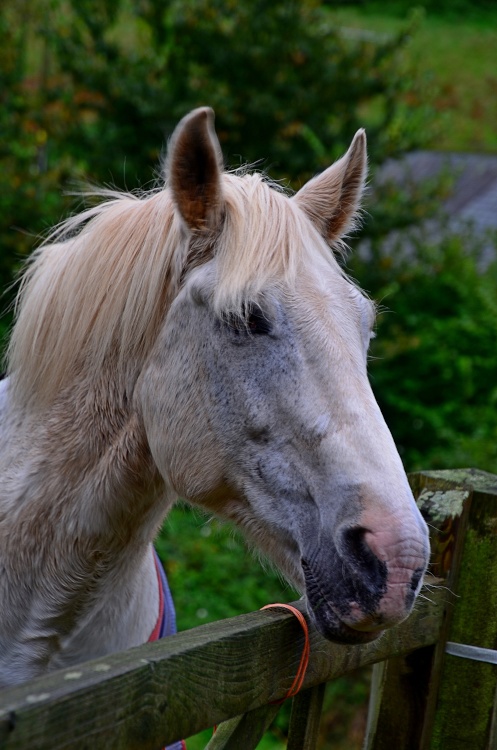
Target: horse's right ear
point(194, 166)
point(332, 199)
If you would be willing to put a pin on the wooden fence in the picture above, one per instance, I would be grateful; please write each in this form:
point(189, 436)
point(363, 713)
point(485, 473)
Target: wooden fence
point(434, 680)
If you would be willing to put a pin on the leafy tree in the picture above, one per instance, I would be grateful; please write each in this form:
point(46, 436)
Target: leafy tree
point(90, 89)
point(30, 179)
point(285, 83)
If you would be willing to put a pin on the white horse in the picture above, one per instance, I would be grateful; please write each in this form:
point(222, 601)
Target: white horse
point(199, 341)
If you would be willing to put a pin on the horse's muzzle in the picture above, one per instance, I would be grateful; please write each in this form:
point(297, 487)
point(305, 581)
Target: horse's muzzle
point(364, 585)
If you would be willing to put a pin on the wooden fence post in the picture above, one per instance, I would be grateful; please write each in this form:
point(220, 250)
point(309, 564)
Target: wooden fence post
point(431, 699)
point(305, 718)
point(243, 731)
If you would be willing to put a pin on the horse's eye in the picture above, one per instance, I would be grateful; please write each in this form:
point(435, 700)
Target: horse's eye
point(257, 322)
point(252, 321)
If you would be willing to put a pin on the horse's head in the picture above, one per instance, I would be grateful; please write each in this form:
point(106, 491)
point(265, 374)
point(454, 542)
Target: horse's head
point(256, 401)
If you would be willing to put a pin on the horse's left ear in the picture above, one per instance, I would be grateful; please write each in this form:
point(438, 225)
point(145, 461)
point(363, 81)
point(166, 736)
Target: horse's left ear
point(332, 199)
point(194, 166)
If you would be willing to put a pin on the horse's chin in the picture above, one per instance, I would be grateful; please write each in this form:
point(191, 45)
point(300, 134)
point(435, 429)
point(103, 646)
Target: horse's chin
point(333, 629)
point(325, 612)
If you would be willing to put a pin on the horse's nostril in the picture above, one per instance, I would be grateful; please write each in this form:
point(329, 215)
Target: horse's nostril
point(353, 539)
point(358, 555)
point(354, 545)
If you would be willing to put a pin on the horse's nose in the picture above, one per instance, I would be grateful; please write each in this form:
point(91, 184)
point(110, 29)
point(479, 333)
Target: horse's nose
point(386, 568)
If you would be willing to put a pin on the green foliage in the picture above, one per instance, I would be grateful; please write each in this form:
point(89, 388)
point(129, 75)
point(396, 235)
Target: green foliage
point(94, 87)
point(141, 66)
point(343, 721)
point(434, 361)
point(30, 180)
point(454, 8)
point(463, 96)
point(89, 90)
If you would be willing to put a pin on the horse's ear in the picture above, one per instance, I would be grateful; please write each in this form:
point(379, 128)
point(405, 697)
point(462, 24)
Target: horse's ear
point(194, 167)
point(332, 199)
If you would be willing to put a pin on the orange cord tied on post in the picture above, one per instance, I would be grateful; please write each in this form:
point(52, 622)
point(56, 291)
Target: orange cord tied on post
point(304, 659)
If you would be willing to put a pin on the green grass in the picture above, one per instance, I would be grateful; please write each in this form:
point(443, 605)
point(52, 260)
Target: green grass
point(458, 58)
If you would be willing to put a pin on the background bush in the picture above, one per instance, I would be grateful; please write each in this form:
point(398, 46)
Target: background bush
point(433, 364)
point(91, 89)
point(453, 8)
point(285, 83)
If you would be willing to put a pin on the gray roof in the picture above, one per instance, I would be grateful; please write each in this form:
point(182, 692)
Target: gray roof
point(473, 196)
point(471, 200)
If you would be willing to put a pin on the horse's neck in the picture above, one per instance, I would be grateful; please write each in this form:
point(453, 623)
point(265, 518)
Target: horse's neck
point(81, 502)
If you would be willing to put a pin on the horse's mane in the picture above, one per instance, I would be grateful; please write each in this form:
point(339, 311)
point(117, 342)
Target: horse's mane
point(100, 285)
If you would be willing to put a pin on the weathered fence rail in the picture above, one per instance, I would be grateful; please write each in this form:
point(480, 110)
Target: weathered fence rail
point(233, 671)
